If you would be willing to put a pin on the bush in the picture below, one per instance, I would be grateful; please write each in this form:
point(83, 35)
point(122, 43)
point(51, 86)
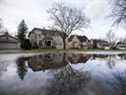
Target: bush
point(26, 45)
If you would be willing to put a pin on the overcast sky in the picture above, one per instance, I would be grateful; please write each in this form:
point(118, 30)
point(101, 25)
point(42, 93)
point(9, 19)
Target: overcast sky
point(35, 15)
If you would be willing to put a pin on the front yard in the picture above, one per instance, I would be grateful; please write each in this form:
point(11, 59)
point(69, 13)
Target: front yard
point(62, 50)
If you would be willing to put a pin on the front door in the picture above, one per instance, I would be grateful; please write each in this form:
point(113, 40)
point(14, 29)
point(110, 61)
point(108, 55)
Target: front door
point(48, 44)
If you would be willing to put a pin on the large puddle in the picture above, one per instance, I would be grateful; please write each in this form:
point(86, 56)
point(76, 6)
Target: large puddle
point(63, 74)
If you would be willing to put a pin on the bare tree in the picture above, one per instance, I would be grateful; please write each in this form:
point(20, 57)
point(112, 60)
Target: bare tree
point(2, 28)
point(1, 23)
point(111, 38)
point(67, 19)
point(119, 11)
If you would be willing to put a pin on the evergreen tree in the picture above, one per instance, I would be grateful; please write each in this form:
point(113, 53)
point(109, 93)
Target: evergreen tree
point(22, 29)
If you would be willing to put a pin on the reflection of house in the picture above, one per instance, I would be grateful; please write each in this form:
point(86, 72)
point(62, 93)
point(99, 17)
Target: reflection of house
point(8, 42)
point(121, 45)
point(50, 61)
point(46, 61)
point(101, 56)
point(77, 58)
point(122, 56)
point(101, 44)
point(76, 41)
point(44, 38)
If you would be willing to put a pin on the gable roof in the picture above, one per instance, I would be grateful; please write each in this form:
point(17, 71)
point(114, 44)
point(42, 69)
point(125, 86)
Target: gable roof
point(6, 38)
point(80, 38)
point(51, 32)
point(99, 41)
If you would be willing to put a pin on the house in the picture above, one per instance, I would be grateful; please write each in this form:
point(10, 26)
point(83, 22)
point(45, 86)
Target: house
point(77, 42)
point(8, 42)
point(121, 45)
point(98, 43)
point(44, 38)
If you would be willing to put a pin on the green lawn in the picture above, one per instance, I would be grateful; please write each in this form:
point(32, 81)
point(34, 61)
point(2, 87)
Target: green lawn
point(86, 50)
point(57, 50)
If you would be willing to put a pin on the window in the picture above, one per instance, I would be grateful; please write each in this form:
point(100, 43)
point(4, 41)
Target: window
point(48, 43)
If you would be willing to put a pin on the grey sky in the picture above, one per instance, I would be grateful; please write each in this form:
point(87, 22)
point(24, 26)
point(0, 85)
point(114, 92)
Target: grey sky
point(34, 13)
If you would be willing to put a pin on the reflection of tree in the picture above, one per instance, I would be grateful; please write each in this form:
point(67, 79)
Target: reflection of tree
point(121, 78)
point(109, 58)
point(3, 67)
point(21, 67)
point(77, 58)
point(68, 82)
point(111, 62)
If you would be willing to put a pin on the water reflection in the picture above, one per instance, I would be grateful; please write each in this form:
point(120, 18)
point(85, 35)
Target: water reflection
point(46, 61)
point(64, 74)
point(68, 82)
point(21, 67)
point(49, 61)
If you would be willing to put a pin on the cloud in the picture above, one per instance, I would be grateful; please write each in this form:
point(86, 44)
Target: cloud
point(34, 13)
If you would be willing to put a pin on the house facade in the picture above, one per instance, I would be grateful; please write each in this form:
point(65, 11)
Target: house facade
point(43, 38)
point(121, 45)
point(100, 44)
point(77, 42)
point(8, 42)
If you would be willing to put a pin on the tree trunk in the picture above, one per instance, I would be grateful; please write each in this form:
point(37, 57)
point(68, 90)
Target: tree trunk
point(64, 43)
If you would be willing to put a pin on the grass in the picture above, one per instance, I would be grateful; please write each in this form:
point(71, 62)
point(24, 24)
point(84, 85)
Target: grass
point(57, 50)
point(66, 50)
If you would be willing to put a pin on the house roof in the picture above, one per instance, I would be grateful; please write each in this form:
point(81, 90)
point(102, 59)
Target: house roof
point(99, 41)
point(6, 38)
point(80, 38)
point(51, 32)
point(121, 42)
